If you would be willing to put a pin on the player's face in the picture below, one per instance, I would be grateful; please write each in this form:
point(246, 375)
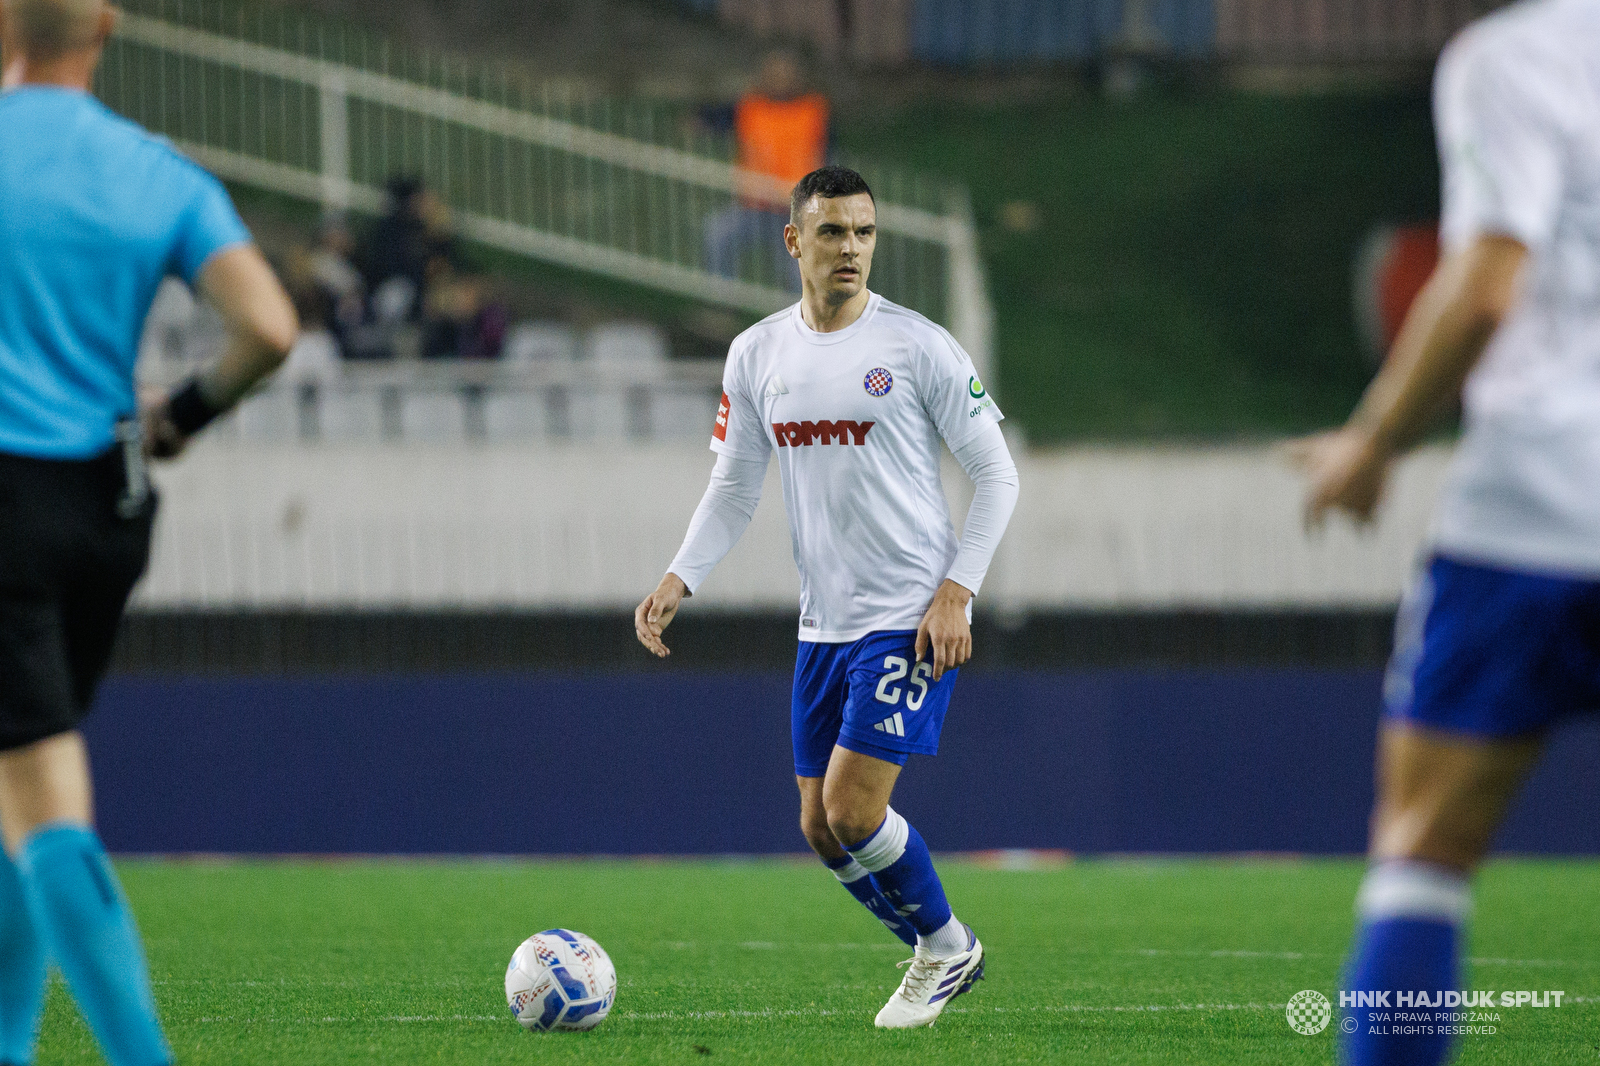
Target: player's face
point(833, 239)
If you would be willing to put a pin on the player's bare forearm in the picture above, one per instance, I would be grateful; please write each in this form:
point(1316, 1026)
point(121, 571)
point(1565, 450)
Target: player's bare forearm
point(945, 635)
point(656, 611)
point(1442, 339)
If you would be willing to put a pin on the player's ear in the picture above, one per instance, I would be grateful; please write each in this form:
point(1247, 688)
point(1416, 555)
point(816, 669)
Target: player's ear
point(791, 239)
point(110, 15)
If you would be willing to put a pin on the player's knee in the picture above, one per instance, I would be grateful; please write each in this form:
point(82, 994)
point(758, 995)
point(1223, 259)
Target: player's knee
point(1432, 838)
point(851, 824)
point(814, 827)
point(1460, 847)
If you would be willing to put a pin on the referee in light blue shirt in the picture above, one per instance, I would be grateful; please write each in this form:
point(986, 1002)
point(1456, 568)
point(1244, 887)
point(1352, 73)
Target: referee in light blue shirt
point(94, 212)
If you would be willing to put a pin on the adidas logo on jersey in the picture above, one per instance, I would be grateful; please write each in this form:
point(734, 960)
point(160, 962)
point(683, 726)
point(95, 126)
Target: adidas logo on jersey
point(796, 434)
point(893, 725)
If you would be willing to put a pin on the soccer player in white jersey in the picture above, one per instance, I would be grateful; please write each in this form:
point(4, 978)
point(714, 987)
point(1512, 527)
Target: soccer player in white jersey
point(1500, 637)
point(854, 394)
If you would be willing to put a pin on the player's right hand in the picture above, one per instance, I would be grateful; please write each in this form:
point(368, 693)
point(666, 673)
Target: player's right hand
point(653, 615)
point(1347, 469)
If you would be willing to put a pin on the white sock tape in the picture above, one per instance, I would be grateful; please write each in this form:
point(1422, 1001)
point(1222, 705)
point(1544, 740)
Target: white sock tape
point(883, 849)
point(1413, 890)
point(851, 872)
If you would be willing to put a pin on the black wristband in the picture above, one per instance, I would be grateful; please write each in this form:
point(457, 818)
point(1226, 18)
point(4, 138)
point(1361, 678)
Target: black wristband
point(189, 410)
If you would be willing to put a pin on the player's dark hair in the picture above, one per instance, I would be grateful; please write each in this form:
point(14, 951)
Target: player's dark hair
point(830, 183)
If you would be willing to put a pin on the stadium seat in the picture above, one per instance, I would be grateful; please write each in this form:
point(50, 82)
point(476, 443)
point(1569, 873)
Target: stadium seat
point(539, 342)
point(433, 418)
point(314, 360)
point(634, 351)
point(271, 416)
point(601, 414)
point(682, 414)
point(350, 416)
point(161, 347)
point(514, 417)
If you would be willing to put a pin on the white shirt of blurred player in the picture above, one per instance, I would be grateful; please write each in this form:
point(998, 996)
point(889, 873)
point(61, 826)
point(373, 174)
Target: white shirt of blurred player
point(867, 514)
point(1517, 109)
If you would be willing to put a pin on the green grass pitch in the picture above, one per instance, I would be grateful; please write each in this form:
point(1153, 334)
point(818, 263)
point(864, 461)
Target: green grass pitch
point(767, 961)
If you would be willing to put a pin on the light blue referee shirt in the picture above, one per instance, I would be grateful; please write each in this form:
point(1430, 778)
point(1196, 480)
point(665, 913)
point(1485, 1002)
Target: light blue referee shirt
point(94, 212)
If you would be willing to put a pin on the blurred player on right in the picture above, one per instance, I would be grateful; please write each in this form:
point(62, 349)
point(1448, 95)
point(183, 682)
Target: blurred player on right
point(1500, 637)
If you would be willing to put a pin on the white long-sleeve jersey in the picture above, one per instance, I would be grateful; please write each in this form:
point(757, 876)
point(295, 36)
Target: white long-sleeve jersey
point(855, 418)
point(1517, 106)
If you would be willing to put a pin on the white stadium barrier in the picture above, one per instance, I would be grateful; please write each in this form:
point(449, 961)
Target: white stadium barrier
point(592, 527)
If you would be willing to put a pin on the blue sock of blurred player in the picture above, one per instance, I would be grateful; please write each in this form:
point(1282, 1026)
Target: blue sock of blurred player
point(858, 881)
point(903, 870)
point(79, 909)
point(22, 971)
point(1411, 914)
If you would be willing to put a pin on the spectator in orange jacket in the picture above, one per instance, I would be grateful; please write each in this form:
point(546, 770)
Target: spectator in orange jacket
point(782, 134)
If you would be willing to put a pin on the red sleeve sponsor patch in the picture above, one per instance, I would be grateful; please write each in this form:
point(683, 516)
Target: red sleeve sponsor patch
point(721, 431)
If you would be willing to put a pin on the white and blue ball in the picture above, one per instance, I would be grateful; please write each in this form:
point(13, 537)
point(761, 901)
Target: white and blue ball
point(559, 979)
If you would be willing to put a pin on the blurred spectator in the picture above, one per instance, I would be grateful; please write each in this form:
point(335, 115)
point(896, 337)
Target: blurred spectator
point(333, 273)
point(315, 356)
point(782, 133)
point(461, 320)
point(417, 279)
point(395, 260)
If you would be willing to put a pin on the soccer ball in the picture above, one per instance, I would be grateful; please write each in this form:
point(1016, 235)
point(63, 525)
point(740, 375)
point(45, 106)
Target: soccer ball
point(559, 979)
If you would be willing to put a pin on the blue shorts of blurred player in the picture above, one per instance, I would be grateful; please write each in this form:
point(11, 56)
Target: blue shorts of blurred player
point(869, 696)
point(1492, 652)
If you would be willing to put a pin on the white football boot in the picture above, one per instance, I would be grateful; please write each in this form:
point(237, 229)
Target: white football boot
point(930, 984)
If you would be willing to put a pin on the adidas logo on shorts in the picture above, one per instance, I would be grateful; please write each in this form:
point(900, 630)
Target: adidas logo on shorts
point(895, 726)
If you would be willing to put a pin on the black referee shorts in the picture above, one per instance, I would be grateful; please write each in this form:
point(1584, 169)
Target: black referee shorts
point(68, 560)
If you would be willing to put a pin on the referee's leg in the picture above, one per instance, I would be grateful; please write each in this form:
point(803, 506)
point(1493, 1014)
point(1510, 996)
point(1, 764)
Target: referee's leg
point(22, 969)
point(58, 621)
point(74, 900)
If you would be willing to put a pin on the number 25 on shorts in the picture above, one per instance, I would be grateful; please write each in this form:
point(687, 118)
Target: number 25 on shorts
point(897, 668)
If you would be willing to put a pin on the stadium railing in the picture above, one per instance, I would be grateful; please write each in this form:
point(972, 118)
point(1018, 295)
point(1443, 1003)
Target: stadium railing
point(551, 382)
point(325, 111)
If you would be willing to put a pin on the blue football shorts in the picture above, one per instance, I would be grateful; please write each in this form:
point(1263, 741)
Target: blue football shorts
point(1494, 652)
point(870, 696)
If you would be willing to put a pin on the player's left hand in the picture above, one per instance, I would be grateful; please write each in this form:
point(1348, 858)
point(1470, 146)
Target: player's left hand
point(162, 439)
point(1348, 469)
point(945, 630)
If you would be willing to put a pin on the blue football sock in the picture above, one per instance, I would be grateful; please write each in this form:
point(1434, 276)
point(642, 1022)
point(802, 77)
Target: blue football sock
point(22, 971)
point(1405, 959)
point(900, 864)
point(858, 882)
point(78, 908)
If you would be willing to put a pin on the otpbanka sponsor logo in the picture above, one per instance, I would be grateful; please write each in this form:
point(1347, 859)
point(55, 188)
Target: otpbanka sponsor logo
point(1473, 1012)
